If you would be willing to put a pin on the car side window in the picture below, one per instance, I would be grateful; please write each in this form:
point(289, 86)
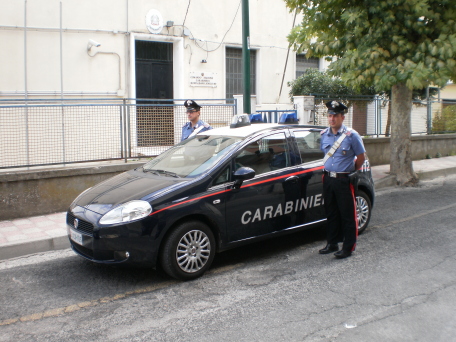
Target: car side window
point(223, 177)
point(266, 154)
point(309, 145)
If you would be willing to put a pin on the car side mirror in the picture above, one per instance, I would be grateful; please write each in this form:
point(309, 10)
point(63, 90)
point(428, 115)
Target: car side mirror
point(242, 174)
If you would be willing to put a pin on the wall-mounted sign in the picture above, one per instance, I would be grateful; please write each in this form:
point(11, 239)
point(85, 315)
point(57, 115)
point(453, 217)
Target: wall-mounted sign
point(203, 79)
point(154, 21)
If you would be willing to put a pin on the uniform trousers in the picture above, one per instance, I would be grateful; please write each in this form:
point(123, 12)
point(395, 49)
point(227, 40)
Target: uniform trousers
point(340, 210)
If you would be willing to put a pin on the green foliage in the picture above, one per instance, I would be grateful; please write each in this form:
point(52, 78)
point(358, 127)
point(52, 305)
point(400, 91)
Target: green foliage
point(380, 43)
point(317, 82)
point(314, 82)
point(445, 121)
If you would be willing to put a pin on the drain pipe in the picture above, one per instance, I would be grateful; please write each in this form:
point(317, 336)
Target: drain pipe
point(25, 86)
point(61, 88)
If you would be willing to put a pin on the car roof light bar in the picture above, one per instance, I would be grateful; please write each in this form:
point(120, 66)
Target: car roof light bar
point(288, 118)
point(240, 120)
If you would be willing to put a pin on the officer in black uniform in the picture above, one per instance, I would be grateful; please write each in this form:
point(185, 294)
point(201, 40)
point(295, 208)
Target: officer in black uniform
point(338, 192)
point(195, 125)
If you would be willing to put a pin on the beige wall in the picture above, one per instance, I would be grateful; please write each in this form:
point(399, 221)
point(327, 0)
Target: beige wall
point(448, 92)
point(116, 24)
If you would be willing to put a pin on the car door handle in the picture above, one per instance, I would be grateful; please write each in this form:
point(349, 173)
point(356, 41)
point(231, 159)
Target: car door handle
point(292, 179)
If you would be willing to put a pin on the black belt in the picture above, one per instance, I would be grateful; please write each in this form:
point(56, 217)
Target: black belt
point(333, 174)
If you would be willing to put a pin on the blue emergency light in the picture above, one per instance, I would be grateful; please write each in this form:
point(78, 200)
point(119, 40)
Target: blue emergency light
point(288, 118)
point(257, 118)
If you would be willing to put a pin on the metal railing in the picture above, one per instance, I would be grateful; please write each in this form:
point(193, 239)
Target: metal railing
point(53, 132)
point(273, 116)
point(369, 115)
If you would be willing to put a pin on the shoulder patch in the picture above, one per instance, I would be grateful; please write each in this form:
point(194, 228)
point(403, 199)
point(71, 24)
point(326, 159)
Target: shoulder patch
point(206, 125)
point(350, 131)
point(324, 131)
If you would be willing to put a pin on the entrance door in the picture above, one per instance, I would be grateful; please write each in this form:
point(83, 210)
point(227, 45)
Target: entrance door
point(154, 80)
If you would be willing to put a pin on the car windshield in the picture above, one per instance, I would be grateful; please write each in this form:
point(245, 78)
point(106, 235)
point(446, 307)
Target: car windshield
point(192, 157)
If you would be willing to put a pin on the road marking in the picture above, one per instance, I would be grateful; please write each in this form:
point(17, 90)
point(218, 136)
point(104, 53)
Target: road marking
point(79, 306)
point(96, 302)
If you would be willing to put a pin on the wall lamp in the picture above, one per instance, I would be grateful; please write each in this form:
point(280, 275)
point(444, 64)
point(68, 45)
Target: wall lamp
point(96, 44)
point(92, 43)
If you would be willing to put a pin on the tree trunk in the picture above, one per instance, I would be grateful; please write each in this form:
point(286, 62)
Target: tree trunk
point(388, 119)
point(401, 143)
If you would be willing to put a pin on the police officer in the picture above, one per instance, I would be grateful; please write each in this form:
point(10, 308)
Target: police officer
point(195, 125)
point(338, 192)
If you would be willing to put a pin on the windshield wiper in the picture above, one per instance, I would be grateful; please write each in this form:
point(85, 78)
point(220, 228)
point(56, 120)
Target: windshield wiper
point(151, 171)
point(166, 173)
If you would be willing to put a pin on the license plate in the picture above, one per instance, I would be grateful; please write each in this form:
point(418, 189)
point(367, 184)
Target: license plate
point(76, 237)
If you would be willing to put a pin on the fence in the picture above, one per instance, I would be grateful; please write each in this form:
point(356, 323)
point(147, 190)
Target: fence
point(54, 132)
point(369, 115)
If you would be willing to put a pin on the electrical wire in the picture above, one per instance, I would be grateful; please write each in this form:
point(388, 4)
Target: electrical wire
point(185, 18)
point(224, 36)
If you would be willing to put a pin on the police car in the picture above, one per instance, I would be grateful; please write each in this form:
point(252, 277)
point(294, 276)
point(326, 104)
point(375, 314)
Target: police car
point(217, 190)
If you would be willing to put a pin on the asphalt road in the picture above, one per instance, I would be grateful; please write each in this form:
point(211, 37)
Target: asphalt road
point(400, 285)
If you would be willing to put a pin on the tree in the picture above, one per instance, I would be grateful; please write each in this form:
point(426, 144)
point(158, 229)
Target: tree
point(315, 82)
point(397, 45)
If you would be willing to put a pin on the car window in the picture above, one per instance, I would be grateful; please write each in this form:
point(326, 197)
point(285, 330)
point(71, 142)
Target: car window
point(192, 157)
point(223, 177)
point(266, 154)
point(309, 145)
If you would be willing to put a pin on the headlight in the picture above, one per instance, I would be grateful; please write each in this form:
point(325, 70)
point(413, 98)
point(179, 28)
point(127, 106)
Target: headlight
point(127, 212)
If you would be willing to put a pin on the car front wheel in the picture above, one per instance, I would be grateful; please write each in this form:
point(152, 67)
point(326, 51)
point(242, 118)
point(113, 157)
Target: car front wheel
point(188, 251)
point(363, 210)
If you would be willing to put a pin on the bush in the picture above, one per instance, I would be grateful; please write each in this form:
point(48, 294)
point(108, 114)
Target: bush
point(445, 121)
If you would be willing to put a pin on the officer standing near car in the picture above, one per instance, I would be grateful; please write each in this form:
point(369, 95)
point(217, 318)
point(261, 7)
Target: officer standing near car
point(344, 153)
point(195, 125)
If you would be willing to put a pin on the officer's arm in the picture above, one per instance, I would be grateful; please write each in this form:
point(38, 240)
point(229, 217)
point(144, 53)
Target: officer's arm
point(360, 158)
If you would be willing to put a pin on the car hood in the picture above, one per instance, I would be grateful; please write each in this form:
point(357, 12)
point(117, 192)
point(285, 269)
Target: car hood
point(127, 186)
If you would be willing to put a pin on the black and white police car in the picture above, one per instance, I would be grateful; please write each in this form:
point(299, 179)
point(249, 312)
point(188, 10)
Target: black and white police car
point(217, 190)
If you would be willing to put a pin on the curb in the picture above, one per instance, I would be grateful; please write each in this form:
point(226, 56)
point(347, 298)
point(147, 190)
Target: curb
point(33, 247)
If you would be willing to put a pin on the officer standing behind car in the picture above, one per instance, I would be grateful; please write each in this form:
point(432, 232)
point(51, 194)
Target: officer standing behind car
point(338, 192)
point(195, 125)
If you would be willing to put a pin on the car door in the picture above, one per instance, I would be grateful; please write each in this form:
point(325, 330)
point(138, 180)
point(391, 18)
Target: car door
point(265, 203)
point(311, 207)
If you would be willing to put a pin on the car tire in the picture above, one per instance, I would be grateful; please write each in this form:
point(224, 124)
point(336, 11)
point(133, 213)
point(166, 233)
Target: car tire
point(188, 251)
point(363, 210)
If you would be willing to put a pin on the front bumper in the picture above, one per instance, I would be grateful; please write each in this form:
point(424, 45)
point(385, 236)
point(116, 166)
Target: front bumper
point(133, 243)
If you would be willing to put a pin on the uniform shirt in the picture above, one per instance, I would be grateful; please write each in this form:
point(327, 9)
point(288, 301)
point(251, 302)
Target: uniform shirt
point(343, 160)
point(187, 129)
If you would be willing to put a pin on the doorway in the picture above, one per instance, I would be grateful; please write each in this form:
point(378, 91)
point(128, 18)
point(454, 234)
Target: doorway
point(154, 81)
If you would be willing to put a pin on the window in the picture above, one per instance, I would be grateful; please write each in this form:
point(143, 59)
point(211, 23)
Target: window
point(303, 63)
point(192, 157)
point(309, 145)
point(234, 83)
point(267, 154)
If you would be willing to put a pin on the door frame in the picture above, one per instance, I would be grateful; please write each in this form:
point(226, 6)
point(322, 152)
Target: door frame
point(178, 62)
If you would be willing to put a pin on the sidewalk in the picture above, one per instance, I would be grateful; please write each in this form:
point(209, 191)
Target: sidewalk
point(37, 234)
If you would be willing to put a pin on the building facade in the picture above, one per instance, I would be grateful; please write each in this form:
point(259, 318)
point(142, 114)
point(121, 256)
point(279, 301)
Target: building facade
point(175, 49)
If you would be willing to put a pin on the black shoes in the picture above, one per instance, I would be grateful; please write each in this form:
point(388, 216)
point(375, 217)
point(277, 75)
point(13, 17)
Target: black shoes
point(342, 254)
point(329, 249)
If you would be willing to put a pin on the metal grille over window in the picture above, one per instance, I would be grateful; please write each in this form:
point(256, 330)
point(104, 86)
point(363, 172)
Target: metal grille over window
point(303, 63)
point(234, 83)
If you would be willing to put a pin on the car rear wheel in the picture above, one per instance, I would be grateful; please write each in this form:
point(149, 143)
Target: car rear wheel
point(188, 251)
point(363, 210)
